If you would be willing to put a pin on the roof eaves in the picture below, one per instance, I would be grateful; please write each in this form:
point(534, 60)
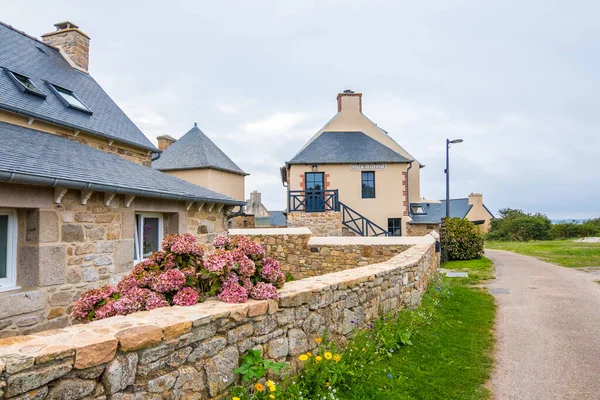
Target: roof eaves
point(26, 113)
point(17, 177)
point(203, 167)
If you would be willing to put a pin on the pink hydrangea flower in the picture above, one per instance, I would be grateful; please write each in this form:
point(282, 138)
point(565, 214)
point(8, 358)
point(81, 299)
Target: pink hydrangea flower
point(229, 279)
point(272, 273)
point(127, 283)
point(247, 283)
point(250, 248)
point(221, 242)
point(168, 281)
point(186, 297)
point(155, 300)
point(264, 291)
point(233, 293)
point(219, 261)
point(245, 266)
point(187, 244)
point(90, 299)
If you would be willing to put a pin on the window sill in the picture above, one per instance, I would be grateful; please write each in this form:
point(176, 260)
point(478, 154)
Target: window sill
point(9, 289)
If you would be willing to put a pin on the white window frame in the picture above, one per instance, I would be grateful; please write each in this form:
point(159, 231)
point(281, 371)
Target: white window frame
point(10, 282)
point(138, 232)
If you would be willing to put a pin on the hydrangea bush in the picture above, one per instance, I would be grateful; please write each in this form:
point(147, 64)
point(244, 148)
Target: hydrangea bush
point(184, 273)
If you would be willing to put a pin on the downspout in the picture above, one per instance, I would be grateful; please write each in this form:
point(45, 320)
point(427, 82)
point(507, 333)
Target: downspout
point(408, 188)
point(157, 157)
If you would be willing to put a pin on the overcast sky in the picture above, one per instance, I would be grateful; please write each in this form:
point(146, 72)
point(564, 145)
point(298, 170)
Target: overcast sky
point(517, 80)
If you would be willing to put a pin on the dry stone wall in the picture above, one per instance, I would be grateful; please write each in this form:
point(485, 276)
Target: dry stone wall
point(191, 352)
point(421, 229)
point(303, 255)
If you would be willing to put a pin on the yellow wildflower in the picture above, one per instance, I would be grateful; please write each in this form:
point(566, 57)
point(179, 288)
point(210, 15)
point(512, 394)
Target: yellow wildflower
point(271, 385)
point(328, 355)
point(318, 358)
point(364, 349)
point(318, 340)
point(271, 396)
point(308, 353)
point(235, 398)
point(303, 357)
point(259, 387)
point(337, 358)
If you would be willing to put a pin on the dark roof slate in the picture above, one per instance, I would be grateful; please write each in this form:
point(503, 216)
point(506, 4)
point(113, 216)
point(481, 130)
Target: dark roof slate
point(434, 215)
point(458, 207)
point(345, 148)
point(195, 150)
point(34, 155)
point(42, 63)
point(277, 218)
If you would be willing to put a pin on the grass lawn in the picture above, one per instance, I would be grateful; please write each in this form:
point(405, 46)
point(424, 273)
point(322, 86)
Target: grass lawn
point(562, 252)
point(451, 352)
point(441, 349)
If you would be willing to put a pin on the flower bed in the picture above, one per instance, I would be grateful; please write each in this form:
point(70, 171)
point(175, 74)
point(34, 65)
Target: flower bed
point(183, 273)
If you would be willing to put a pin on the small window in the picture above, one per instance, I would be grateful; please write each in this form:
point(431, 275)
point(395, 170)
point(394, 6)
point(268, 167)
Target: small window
point(8, 250)
point(25, 84)
point(148, 234)
point(394, 226)
point(418, 210)
point(368, 184)
point(70, 99)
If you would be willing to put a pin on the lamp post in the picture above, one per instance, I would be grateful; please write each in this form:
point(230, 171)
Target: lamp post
point(447, 171)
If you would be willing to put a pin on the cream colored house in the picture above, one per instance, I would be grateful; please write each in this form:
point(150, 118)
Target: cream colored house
point(197, 159)
point(354, 168)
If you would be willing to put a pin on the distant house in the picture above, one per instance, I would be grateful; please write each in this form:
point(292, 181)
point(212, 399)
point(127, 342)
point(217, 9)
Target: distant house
point(79, 203)
point(353, 167)
point(197, 159)
point(471, 208)
point(262, 216)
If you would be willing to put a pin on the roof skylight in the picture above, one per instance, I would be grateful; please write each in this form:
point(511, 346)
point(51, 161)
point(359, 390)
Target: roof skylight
point(419, 210)
point(25, 84)
point(70, 99)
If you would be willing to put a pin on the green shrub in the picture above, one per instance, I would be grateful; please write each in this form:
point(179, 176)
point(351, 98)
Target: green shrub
point(516, 225)
point(567, 230)
point(461, 240)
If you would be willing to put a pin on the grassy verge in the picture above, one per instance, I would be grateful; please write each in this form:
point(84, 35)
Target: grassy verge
point(562, 252)
point(441, 349)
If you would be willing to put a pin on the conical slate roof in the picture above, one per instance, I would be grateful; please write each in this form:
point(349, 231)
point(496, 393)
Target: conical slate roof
point(195, 150)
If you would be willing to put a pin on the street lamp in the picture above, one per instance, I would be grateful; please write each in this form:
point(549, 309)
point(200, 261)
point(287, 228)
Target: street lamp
point(447, 171)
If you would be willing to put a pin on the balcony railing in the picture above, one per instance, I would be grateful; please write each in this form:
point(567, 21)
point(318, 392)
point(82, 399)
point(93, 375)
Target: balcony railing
point(313, 200)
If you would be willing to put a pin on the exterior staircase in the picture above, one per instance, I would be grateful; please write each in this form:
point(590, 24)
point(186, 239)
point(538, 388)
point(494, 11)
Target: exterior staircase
point(358, 223)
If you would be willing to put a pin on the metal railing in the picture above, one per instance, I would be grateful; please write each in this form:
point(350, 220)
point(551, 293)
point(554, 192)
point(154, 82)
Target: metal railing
point(313, 200)
point(358, 224)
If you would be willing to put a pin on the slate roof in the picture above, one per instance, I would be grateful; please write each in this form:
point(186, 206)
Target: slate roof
point(34, 157)
point(195, 150)
point(458, 207)
point(277, 219)
point(434, 215)
point(345, 148)
point(42, 63)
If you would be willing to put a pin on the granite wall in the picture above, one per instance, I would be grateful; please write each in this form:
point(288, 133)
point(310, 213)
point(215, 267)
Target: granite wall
point(302, 254)
point(191, 352)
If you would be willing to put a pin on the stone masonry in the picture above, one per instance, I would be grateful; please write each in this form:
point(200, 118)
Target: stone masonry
point(327, 223)
point(191, 352)
point(65, 249)
point(421, 229)
point(303, 255)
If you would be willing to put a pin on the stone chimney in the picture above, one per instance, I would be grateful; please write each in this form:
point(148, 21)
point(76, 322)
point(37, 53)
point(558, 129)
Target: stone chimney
point(73, 43)
point(254, 205)
point(165, 141)
point(476, 199)
point(348, 101)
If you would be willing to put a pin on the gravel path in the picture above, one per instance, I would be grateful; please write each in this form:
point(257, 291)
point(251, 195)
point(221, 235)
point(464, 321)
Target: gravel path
point(548, 330)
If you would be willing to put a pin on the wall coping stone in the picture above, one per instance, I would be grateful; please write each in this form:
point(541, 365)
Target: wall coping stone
point(270, 231)
point(370, 240)
point(97, 342)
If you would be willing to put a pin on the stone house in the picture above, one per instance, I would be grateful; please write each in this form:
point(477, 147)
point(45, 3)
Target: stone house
point(197, 159)
point(356, 170)
point(79, 202)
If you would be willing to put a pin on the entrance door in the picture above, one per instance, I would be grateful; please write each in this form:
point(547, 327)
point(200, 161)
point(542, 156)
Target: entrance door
point(315, 191)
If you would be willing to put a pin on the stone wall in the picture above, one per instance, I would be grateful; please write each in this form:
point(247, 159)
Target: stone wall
point(64, 249)
point(191, 352)
point(245, 221)
point(421, 229)
point(327, 223)
point(302, 254)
